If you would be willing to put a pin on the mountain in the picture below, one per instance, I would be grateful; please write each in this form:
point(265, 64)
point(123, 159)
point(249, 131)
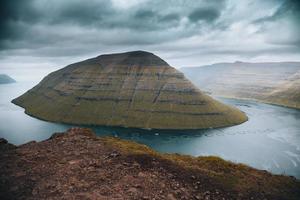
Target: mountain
point(275, 83)
point(6, 79)
point(132, 89)
point(79, 165)
point(287, 93)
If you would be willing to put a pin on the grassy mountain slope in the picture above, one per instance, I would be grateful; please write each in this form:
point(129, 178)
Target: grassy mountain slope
point(133, 89)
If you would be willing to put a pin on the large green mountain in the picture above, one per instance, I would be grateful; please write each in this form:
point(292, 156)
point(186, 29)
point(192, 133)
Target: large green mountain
point(133, 89)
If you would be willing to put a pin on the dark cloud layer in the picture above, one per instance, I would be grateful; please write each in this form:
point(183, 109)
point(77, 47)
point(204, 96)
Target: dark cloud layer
point(288, 8)
point(18, 17)
point(12, 12)
point(69, 28)
point(287, 11)
point(206, 14)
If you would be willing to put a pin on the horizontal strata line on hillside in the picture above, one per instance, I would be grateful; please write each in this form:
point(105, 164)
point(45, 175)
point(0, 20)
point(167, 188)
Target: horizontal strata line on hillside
point(180, 113)
point(100, 66)
point(100, 80)
point(119, 83)
point(71, 91)
point(118, 80)
point(130, 100)
point(199, 103)
point(167, 112)
point(91, 74)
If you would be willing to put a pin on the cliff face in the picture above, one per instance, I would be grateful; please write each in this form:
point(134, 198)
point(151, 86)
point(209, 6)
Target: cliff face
point(276, 83)
point(4, 79)
point(134, 89)
point(79, 165)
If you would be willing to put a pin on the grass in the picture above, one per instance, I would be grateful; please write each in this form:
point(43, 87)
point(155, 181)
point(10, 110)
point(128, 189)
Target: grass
point(229, 176)
point(89, 95)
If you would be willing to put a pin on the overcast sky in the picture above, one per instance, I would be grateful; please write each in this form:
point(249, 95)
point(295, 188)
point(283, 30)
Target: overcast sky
point(45, 34)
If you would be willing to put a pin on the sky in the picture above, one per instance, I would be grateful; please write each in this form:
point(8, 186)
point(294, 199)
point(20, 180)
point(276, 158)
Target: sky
point(47, 35)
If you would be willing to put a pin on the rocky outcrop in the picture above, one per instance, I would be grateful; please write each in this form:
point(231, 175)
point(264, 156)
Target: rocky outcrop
point(275, 83)
point(4, 79)
point(133, 89)
point(79, 165)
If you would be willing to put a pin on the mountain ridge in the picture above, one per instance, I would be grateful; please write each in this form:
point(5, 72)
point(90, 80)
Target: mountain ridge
point(254, 81)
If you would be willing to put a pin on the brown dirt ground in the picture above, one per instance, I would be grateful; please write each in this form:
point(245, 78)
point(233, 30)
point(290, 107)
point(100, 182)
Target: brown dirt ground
point(79, 165)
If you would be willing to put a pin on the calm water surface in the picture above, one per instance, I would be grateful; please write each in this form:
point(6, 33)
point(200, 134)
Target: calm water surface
point(269, 140)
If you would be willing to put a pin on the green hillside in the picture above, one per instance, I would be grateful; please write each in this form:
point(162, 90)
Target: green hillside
point(133, 89)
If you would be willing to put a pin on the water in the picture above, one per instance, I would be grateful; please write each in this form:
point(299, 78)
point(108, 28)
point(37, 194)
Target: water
point(269, 140)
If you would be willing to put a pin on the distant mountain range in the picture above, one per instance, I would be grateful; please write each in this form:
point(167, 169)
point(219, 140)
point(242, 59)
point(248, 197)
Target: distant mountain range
point(6, 79)
point(272, 82)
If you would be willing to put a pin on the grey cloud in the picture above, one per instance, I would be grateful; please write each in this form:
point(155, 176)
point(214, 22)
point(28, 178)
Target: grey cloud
point(91, 13)
point(288, 8)
point(204, 14)
point(275, 25)
point(144, 14)
point(13, 12)
point(75, 27)
point(172, 17)
point(148, 16)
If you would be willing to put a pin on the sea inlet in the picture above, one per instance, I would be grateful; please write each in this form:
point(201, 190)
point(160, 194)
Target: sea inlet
point(269, 140)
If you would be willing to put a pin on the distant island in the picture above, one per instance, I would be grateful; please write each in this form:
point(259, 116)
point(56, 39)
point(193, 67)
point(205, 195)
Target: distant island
point(133, 89)
point(272, 82)
point(79, 165)
point(4, 79)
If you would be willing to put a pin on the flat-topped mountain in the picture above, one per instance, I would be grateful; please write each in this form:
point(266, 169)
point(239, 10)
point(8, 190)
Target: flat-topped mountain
point(276, 83)
point(4, 79)
point(133, 89)
point(137, 58)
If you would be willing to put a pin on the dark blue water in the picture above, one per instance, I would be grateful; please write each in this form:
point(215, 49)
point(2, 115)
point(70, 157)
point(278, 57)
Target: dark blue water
point(269, 140)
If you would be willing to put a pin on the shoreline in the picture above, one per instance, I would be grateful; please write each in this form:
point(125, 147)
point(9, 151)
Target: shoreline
point(257, 101)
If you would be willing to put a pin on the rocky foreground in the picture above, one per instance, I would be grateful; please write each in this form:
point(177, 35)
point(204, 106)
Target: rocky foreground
point(79, 165)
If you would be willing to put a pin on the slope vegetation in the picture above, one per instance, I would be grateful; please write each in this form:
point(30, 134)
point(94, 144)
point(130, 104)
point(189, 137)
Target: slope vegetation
point(133, 89)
